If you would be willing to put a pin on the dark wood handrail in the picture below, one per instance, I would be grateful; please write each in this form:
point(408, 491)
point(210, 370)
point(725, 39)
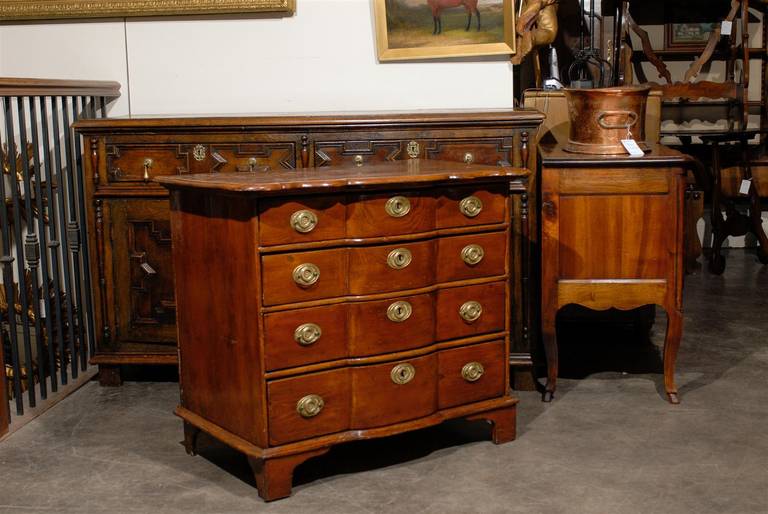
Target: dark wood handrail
point(57, 87)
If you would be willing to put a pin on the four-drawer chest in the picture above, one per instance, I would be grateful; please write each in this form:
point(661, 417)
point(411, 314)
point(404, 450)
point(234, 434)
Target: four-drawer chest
point(318, 307)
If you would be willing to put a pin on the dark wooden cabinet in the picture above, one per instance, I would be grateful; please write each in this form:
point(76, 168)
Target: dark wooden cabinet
point(128, 219)
point(352, 304)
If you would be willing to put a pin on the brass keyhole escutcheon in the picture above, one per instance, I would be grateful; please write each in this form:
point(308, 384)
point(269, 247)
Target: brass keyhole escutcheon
point(398, 206)
point(469, 158)
point(148, 163)
point(307, 334)
point(303, 221)
point(472, 254)
point(310, 406)
point(471, 206)
point(306, 274)
point(470, 311)
point(413, 149)
point(402, 373)
point(399, 311)
point(472, 371)
point(399, 258)
point(358, 160)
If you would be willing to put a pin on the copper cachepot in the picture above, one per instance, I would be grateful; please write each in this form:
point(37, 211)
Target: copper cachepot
point(601, 118)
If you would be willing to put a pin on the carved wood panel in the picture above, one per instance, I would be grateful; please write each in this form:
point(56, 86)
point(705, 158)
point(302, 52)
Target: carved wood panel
point(492, 151)
point(335, 153)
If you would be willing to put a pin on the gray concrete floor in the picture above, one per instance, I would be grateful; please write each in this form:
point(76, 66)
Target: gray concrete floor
point(609, 443)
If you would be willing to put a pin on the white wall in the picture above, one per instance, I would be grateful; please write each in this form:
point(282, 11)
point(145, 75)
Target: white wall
point(321, 59)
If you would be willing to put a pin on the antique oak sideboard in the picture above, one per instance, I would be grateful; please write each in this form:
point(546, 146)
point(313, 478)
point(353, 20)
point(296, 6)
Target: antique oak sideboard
point(318, 307)
point(129, 214)
point(611, 237)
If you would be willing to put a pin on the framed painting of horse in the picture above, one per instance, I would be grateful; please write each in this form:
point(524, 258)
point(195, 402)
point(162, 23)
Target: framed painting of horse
point(431, 29)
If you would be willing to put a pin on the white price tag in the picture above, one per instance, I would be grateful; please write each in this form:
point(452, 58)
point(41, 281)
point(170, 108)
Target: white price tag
point(632, 148)
point(746, 184)
point(726, 28)
point(42, 308)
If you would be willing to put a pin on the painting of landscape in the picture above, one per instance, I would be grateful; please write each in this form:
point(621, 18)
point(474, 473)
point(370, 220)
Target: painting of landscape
point(440, 28)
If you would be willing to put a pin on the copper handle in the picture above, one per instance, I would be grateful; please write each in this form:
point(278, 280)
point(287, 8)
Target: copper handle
point(631, 115)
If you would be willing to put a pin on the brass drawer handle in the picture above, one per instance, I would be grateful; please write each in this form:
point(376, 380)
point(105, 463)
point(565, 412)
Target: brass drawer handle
point(310, 406)
point(471, 206)
point(469, 158)
point(358, 160)
point(472, 371)
point(399, 258)
point(148, 163)
point(306, 274)
point(398, 206)
point(472, 254)
point(303, 221)
point(399, 311)
point(307, 334)
point(403, 373)
point(470, 311)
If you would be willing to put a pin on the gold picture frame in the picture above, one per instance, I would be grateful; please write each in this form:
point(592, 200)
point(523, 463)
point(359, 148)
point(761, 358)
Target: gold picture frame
point(13, 10)
point(392, 41)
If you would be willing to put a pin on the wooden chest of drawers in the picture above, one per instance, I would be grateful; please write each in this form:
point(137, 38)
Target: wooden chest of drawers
point(321, 307)
point(128, 214)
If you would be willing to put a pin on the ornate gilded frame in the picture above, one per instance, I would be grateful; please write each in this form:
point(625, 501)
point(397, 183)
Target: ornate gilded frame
point(386, 53)
point(11, 10)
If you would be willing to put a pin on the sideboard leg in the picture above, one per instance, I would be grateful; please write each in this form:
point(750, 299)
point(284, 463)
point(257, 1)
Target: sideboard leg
point(274, 477)
point(671, 345)
point(549, 337)
point(190, 438)
point(504, 423)
point(109, 376)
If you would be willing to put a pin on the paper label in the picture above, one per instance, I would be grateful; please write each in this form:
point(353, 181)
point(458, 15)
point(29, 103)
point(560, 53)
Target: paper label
point(42, 308)
point(746, 184)
point(725, 29)
point(632, 148)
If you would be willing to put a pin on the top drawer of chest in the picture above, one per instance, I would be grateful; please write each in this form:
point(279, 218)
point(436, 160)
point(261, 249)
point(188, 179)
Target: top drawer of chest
point(380, 214)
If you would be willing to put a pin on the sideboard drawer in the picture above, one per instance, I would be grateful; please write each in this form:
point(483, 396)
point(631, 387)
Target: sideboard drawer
point(380, 269)
point(472, 256)
point(306, 336)
point(390, 214)
point(466, 206)
point(132, 164)
point(471, 310)
point(470, 373)
point(388, 393)
point(391, 325)
point(299, 221)
point(308, 406)
point(303, 276)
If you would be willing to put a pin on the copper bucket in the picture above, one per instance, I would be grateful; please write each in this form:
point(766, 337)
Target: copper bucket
point(601, 118)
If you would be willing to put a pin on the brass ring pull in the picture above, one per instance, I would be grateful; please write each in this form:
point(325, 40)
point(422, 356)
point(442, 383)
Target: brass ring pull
point(470, 311)
point(399, 258)
point(403, 373)
point(472, 254)
point(471, 206)
point(310, 406)
point(398, 206)
point(469, 158)
point(306, 274)
point(472, 371)
point(307, 334)
point(303, 221)
point(148, 163)
point(358, 160)
point(399, 311)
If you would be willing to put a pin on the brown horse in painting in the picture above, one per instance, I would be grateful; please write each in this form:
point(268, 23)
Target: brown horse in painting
point(438, 5)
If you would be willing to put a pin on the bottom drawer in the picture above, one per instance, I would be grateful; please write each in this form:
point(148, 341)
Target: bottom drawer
point(471, 373)
point(308, 406)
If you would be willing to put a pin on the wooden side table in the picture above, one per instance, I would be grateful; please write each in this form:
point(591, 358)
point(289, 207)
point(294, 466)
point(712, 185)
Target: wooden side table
point(612, 237)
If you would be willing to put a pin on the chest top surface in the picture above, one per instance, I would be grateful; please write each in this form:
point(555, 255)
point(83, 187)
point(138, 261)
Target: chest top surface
point(413, 171)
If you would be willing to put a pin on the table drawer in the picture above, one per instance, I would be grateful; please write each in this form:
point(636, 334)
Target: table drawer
point(301, 220)
point(308, 406)
point(390, 214)
point(471, 373)
point(394, 391)
point(303, 276)
point(384, 268)
point(306, 336)
point(132, 165)
point(467, 206)
point(471, 256)
point(391, 325)
point(471, 310)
